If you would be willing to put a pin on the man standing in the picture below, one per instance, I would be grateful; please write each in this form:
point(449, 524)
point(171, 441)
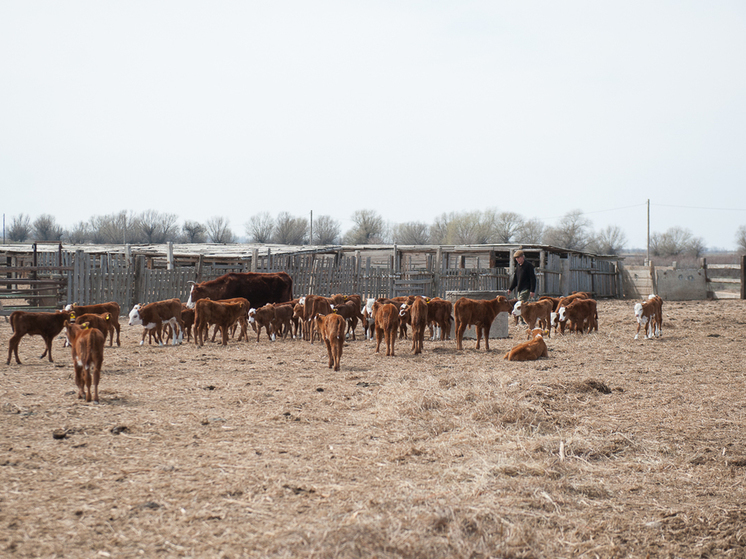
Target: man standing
point(524, 278)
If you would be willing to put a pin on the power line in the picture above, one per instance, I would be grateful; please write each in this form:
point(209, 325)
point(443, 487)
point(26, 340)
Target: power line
point(700, 208)
point(598, 211)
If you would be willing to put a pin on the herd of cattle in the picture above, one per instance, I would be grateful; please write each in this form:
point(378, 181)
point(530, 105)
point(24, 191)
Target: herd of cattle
point(233, 301)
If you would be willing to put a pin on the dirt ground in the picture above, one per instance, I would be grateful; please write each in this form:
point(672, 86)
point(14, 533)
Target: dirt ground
point(611, 447)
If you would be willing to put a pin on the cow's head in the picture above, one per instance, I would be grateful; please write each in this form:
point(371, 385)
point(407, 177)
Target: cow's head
point(251, 315)
point(517, 308)
point(196, 293)
point(642, 319)
point(135, 318)
point(302, 301)
point(553, 319)
point(404, 310)
point(562, 314)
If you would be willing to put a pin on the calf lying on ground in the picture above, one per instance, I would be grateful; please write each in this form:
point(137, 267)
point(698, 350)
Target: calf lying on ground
point(44, 324)
point(332, 329)
point(531, 350)
point(88, 355)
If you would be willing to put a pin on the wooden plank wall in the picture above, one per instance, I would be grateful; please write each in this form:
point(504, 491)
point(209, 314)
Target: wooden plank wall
point(98, 278)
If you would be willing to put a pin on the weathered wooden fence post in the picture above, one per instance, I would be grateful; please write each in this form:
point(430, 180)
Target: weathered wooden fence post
point(743, 276)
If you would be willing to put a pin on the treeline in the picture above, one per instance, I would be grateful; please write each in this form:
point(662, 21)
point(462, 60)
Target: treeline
point(574, 231)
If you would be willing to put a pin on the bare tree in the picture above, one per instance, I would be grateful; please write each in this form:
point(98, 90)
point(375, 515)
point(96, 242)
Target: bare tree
point(507, 226)
point(369, 228)
point(676, 241)
point(411, 233)
point(326, 230)
point(193, 232)
point(472, 228)
point(259, 228)
point(531, 232)
point(122, 227)
point(741, 239)
point(20, 228)
point(610, 240)
point(219, 231)
point(47, 229)
point(79, 233)
point(440, 229)
point(572, 232)
point(157, 227)
point(290, 230)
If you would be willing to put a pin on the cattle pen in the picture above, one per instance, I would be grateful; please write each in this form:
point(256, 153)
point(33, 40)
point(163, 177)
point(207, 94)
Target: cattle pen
point(44, 277)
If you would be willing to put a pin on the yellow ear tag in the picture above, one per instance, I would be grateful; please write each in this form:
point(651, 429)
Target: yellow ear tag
point(72, 315)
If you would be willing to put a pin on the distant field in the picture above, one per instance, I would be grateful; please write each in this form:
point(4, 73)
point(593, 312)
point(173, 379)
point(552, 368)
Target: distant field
point(609, 448)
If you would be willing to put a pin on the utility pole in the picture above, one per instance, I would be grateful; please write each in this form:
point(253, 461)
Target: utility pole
point(310, 235)
point(648, 230)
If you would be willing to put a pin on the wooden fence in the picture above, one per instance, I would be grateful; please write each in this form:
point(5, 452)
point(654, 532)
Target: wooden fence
point(87, 278)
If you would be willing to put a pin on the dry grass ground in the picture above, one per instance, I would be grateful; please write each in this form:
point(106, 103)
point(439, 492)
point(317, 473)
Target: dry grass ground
point(609, 448)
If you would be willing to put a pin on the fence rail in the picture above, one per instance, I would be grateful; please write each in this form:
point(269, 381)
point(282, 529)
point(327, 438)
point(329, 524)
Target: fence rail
point(90, 278)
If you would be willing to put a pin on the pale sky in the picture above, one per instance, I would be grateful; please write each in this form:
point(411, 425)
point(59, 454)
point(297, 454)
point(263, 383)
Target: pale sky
point(409, 108)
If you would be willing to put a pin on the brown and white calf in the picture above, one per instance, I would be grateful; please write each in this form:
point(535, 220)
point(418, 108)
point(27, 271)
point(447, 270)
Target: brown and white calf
point(313, 305)
point(649, 315)
point(112, 307)
point(332, 328)
point(481, 314)
point(563, 302)
point(45, 324)
point(350, 311)
point(531, 350)
point(282, 324)
point(582, 314)
point(87, 345)
point(417, 313)
point(262, 318)
point(386, 325)
point(535, 314)
point(156, 314)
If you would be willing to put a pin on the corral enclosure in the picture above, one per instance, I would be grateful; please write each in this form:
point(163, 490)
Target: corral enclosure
point(51, 275)
point(609, 448)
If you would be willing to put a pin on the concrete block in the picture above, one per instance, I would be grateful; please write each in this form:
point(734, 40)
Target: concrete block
point(681, 285)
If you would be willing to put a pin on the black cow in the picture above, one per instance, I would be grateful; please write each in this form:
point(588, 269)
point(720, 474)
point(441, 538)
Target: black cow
point(259, 288)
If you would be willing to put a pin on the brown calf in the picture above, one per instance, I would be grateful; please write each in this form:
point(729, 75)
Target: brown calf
point(417, 313)
point(101, 322)
point(479, 313)
point(220, 313)
point(439, 315)
point(88, 355)
point(582, 314)
point(332, 328)
point(530, 350)
point(112, 307)
point(44, 324)
point(386, 325)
